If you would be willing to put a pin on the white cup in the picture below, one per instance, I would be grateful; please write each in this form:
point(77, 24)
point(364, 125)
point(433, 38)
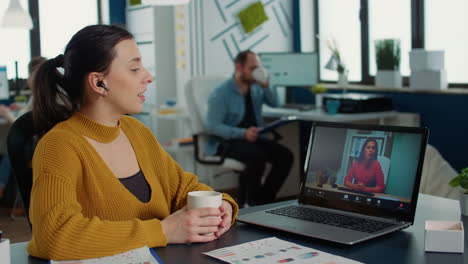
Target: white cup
point(260, 74)
point(202, 199)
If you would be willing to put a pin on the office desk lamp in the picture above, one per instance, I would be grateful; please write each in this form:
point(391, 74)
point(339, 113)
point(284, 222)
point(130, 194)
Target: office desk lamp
point(335, 64)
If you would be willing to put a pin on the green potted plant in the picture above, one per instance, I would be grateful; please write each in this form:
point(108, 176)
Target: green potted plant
point(387, 54)
point(462, 181)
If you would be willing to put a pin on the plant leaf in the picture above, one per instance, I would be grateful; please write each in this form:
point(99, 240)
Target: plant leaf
point(464, 182)
point(387, 53)
point(455, 181)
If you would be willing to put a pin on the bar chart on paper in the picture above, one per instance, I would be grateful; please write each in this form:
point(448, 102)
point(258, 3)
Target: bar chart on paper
point(274, 250)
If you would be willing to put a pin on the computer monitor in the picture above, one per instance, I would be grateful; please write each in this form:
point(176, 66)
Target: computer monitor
point(4, 88)
point(291, 69)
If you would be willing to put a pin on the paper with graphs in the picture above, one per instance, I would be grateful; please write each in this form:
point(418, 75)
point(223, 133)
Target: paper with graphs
point(274, 250)
point(136, 256)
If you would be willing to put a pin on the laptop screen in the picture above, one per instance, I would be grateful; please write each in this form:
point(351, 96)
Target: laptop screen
point(368, 169)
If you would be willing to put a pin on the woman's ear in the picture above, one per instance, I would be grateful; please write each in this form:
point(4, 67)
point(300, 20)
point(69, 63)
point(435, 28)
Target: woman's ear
point(93, 80)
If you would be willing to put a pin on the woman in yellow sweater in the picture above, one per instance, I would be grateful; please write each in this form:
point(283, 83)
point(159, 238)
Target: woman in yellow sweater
point(102, 184)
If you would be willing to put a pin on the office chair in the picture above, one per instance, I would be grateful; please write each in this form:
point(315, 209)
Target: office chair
point(436, 174)
point(21, 142)
point(197, 92)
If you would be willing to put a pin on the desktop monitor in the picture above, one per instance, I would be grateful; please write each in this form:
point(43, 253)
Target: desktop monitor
point(291, 69)
point(4, 88)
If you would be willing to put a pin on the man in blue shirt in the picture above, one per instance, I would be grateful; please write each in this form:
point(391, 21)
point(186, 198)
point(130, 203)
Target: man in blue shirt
point(235, 114)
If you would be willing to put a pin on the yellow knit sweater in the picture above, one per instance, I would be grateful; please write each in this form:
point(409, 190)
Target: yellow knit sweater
point(79, 209)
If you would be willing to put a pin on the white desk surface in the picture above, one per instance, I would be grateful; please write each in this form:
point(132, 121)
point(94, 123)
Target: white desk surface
point(322, 115)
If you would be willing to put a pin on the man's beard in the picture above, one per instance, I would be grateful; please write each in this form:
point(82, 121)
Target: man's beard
point(246, 80)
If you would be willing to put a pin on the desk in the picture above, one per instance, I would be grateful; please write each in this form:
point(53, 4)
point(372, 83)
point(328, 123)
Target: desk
point(400, 247)
point(322, 115)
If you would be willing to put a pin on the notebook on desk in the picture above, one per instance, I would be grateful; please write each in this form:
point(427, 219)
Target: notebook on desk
point(347, 197)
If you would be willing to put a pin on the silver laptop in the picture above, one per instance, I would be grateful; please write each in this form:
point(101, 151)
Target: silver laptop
point(361, 181)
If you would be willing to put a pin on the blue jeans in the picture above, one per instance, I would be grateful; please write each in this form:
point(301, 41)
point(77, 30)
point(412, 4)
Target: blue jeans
point(5, 170)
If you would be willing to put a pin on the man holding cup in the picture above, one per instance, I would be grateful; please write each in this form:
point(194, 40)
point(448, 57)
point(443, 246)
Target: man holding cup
point(235, 114)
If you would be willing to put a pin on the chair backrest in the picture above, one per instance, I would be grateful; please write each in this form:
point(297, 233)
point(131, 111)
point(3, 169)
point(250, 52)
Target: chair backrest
point(385, 164)
point(197, 91)
point(436, 174)
point(21, 142)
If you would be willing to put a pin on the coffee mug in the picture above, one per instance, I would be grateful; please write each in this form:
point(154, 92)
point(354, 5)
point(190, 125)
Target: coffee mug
point(260, 74)
point(202, 199)
point(333, 106)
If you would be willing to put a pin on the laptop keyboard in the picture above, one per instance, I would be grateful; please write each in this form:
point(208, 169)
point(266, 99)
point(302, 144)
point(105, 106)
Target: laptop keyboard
point(322, 217)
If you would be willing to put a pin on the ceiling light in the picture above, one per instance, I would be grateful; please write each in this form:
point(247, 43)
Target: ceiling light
point(16, 17)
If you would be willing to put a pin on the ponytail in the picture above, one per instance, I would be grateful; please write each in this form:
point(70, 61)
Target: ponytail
point(51, 103)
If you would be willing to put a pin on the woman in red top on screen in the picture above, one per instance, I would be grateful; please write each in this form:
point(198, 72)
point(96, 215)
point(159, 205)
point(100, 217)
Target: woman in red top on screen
point(366, 173)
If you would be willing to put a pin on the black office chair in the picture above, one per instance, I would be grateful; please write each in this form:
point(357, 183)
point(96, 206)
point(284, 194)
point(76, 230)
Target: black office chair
point(21, 142)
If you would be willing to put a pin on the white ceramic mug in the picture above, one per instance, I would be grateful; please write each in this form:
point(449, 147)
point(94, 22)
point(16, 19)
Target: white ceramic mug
point(260, 74)
point(203, 199)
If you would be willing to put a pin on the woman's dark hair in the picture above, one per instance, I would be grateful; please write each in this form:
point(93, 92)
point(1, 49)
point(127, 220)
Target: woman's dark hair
point(362, 157)
point(57, 96)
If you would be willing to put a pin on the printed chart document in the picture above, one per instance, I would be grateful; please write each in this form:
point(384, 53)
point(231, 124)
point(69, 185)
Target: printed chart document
point(143, 255)
point(277, 123)
point(274, 250)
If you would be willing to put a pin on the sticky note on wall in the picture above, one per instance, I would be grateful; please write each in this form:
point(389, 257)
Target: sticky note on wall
point(134, 2)
point(252, 17)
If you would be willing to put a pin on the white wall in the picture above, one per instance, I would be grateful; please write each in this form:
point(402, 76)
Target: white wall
point(213, 36)
point(224, 36)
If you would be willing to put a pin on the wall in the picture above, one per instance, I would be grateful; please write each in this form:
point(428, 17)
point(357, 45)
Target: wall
point(224, 36)
point(117, 12)
point(445, 116)
point(403, 165)
point(209, 36)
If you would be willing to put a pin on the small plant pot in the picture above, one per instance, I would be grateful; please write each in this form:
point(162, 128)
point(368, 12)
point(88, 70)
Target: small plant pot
point(388, 79)
point(464, 203)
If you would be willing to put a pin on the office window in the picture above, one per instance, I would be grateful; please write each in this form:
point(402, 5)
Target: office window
point(428, 24)
point(390, 19)
point(14, 45)
point(60, 20)
point(339, 20)
point(445, 29)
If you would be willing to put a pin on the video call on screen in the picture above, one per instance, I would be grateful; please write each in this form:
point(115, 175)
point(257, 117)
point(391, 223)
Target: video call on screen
point(339, 169)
